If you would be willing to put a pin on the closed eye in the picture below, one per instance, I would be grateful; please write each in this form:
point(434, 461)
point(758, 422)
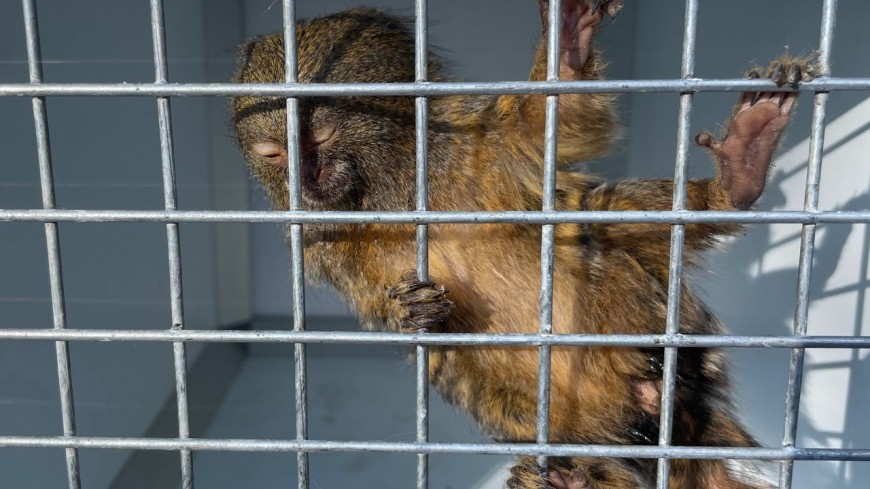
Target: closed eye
point(273, 153)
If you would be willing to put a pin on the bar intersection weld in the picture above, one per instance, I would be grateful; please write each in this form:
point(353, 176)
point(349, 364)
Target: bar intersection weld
point(547, 217)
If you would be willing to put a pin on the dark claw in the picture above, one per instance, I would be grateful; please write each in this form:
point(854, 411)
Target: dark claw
point(636, 435)
point(408, 284)
point(525, 469)
point(794, 75)
point(434, 310)
point(645, 429)
point(609, 7)
point(752, 75)
point(655, 364)
point(704, 138)
point(778, 75)
point(423, 302)
point(422, 293)
point(423, 322)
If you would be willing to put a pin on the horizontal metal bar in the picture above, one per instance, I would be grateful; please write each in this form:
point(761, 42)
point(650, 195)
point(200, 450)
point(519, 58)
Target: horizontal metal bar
point(612, 451)
point(453, 339)
point(436, 217)
point(422, 89)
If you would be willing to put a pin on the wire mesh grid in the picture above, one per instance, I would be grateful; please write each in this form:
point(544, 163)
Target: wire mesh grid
point(678, 217)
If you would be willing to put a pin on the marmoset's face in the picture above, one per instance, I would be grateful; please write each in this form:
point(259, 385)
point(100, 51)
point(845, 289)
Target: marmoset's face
point(346, 143)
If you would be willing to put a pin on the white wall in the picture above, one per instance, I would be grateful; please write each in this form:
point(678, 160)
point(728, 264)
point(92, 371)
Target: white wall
point(106, 156)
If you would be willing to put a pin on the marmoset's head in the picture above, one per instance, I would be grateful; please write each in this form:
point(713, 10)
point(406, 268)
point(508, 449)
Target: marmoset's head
point(351, 148)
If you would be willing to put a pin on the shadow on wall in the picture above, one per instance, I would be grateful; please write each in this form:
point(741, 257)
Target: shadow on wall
point(759, 284)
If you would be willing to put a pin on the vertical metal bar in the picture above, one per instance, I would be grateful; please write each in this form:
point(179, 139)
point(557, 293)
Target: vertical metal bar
point(296, 242)
point(548, 232)
point(170, 201)
point(421, 49)
point(808, 236)
point(52, 241)
point(675, 268)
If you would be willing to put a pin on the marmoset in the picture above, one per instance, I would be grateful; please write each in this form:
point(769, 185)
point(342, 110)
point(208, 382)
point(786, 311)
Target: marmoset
point(486, 153)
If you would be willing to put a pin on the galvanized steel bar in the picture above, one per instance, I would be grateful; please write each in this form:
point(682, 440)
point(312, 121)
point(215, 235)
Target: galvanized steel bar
point(548, 218)
point(438, 217)
point(419, 89)
point(52, 241)
point(678, 231)
point(453, 339)
point(548, 231)
point(164, 118)
point(808, 236)
point(296, 239)
point(609, 451)
point(421, 65)
point(422, 140)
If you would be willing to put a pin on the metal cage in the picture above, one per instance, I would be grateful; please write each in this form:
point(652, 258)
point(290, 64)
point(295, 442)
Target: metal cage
point(162, 90)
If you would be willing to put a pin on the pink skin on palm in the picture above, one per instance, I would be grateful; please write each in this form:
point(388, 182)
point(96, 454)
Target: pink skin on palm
point(578, 26)
point(745, 153)
point(556, 480)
